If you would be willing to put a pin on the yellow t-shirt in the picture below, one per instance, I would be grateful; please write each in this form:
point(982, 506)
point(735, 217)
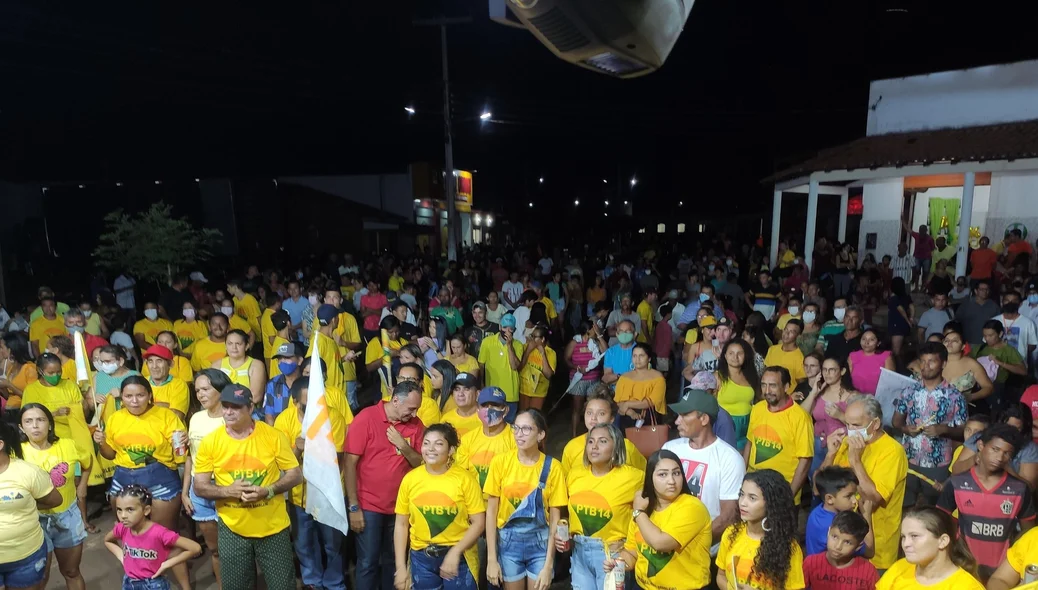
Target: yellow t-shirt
point(901, 576)
point(1024, 552)
point(396, 283)
point(427, 391)
point(469, 365)
point(532, 381)
point(20, 484)
point(73, 426)
point(260, 458)
point(688, 521)
point(653, 389)
point(735, 556)
point(601, 506)
point(272, 364)
point(266, 332)
point(290, 424)
point(778, 440)
point(648, 316)
point(336, 399)
point(173, 392)
point(330, 354)
point(885, 462)
point(428, 412)
point(237, 323)
point(93, 325)
point(348, 333)
point(198, 428)
point(438, 506)
point(573, 454)
point(511, 481)
point(189, 332)
point(205, 352)
point(181, 369)
point(780, 324)
point(793, 361)
point(477, 450)
point(145, 439)
point(60, 461)
point(373, 352)
point(497, 367)
point(463, 424)
point(41, 330)
point(549, 306)
point(248, 309)
point(151, 329)
point(238, 375)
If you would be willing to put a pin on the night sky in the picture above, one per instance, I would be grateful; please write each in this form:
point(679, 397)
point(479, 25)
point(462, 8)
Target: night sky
point(159, 90)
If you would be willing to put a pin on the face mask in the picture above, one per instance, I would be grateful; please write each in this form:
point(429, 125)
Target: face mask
point(793, 310)
point(729, 262)
point(312, 299)
point(809, 316)
point(87, 313)
point(839, 312)
point(491, 417)
point(711, 268)
point(227, 311)
point(288, 367)
point(189, 314)
point(862, 432)
point(703, 297)
point(625, 337)
point(74, 329)
point(52, 379)
point(1032, 299)
point(1011, 308)
point(151, 314)
point(107, 368)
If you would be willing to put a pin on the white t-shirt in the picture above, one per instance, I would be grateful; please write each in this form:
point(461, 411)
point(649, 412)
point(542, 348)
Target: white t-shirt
point(545, 264)
point(714, 473)
point(125, 298)
point(122, 339)
point(511, 292)
point(1020, 333)
point(522, 314)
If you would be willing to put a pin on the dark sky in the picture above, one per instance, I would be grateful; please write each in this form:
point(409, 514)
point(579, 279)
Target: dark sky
point(96, 93)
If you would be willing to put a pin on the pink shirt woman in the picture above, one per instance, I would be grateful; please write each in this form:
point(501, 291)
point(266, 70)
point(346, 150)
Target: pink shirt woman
point(866, 363)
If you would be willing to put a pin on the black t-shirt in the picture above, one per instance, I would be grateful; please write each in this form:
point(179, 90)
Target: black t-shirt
point(839, 346)
point(474, 336)
point(940, 284)
point(173, 302)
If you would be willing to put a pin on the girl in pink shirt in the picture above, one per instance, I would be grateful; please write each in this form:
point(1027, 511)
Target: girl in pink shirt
point(142, 546)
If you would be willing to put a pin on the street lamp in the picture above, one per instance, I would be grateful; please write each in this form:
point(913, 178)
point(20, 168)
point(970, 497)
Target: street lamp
point(634, 181)
point(490, 220)
point(485, 116)
point(576, 201)
point(541, 180)
point(531, 204)
point(604, 181)
point(607, 203)
point(410, 110)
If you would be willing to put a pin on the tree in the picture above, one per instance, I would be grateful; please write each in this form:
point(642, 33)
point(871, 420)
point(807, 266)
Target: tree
point(153, 245)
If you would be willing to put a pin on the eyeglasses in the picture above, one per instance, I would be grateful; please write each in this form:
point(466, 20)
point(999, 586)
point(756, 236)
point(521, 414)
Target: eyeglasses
point(524, 430)
point(830, 369)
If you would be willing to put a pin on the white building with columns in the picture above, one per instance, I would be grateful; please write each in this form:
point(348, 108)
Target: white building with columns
point(969, 136)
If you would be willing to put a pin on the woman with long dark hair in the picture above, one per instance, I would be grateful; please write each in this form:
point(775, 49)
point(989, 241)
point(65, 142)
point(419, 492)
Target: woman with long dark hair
point(671, 525)
point(761, 550)
point(936, 555)
point(642, 391)
point(442, 374)
point(17, 370)
point(738, 385)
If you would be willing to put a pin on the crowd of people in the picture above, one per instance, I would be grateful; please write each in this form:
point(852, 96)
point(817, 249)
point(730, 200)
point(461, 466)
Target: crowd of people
point(732, 423)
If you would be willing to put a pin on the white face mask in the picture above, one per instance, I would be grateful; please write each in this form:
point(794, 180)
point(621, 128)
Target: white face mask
point(87, 313)
point(312, 299)
point(227, 311)
point(809, 316)
point(862, 432)
point(189, 314)
point(839, 312)
point(107, 368)
point(793, 310)
point(151, 314)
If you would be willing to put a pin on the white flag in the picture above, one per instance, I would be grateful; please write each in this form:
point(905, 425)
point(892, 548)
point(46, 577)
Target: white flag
point(325, 500)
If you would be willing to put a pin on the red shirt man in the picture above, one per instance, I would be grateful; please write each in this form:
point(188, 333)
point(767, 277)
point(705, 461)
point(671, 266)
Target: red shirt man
point(983, 261)
point(372, 304)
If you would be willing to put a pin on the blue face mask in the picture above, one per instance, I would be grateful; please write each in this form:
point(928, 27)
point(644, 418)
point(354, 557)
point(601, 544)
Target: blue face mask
point(703, 297)
point(288, 367)
point(1032, 299)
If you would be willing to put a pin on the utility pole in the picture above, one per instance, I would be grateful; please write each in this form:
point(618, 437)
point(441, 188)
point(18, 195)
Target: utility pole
point(450, 182)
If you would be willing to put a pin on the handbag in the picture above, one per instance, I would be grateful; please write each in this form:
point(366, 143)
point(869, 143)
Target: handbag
point(648, 438)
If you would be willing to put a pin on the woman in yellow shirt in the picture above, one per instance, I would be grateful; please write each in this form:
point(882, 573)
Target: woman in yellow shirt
point(536, 370)
point(68, 464)
point(139, 438)
point(242, 369)
point(738, 385)
point(936, 555)
point(600, 409)
point(668, 544)
point(440, 515)
point(762, 551)
point(601, 492)
point(526, 491)
point(16, 368)
point(465, 362)
point(62, 347)
point(189, 330)
point(1011, 571)
point(642, 390)
point(441, 376)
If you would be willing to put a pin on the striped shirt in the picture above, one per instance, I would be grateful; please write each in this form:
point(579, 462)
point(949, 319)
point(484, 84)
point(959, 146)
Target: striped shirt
point(902, 267)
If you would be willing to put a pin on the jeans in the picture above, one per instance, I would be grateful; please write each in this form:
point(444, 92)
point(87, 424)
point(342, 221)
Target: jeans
point(585, 568)
point(816, 462)
point(351, 395)
point(375, 559)
point(425, 574)
point(160, 583)
point(318, 548)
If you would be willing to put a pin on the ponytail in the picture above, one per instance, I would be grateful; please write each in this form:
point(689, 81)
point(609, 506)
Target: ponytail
point(959, 554)
point(940, 523)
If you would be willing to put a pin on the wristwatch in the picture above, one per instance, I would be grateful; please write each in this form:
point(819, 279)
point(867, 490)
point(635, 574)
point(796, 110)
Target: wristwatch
point(354, 508)
point(635, 514)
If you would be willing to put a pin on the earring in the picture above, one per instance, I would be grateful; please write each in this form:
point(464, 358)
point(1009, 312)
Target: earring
point(764, 524)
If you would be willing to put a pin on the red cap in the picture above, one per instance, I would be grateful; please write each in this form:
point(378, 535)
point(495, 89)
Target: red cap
point(159, 351)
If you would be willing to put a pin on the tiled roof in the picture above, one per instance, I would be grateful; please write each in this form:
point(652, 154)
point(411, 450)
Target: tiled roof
point(1002, 141)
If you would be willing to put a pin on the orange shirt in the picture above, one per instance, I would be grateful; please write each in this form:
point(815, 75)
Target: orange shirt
point(983, 262)
point(1016, 249)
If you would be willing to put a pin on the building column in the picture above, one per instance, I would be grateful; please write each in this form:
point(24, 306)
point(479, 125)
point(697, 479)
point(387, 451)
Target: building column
point(841, 233)
point(776, 219)
point(812, 222)
point(965, 221)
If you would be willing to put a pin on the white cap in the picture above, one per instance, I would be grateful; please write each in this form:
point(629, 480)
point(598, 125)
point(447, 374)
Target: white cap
point(197, 276)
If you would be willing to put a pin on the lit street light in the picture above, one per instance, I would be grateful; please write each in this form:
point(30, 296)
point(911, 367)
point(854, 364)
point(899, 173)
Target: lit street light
point(531, 205)
point(607, 203)
point(634, 181)
point(604, 181)
point(576, 201)
point(625, 202)
point(410, 110)
point(485, 116)
point(541, 180)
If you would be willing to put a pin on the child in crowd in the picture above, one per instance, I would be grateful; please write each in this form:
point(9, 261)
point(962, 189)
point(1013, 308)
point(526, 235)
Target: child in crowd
point(839, 567)
point(838, 487)
point(143, 547)
point(664, 336)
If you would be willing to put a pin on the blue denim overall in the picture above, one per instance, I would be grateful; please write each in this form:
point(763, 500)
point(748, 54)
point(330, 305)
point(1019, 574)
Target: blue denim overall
point(523, 541)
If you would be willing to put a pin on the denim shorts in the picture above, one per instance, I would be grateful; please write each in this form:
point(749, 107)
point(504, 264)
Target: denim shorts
point(205, 510)
point(160, 583)
point(160, 480)
point(521, 554)
point(64, 530)
point(25, 573)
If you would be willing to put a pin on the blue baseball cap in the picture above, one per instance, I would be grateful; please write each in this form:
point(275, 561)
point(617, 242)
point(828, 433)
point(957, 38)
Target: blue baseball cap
point(508, 321)
point(326, 313)
point(492, 395)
